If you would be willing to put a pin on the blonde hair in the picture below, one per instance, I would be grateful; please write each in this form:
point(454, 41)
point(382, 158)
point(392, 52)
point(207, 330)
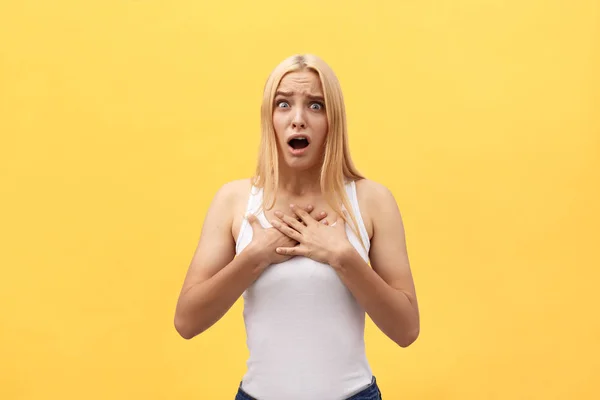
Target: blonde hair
point(337, 165)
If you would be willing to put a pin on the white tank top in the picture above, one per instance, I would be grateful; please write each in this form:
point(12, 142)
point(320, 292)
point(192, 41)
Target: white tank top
point(304, 328)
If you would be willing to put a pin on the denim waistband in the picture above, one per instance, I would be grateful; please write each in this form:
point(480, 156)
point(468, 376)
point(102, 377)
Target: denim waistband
point(371, 392)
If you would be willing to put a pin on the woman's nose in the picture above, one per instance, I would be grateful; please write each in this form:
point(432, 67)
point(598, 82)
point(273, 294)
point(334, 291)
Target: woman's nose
point(298, 122)
point(298, 125)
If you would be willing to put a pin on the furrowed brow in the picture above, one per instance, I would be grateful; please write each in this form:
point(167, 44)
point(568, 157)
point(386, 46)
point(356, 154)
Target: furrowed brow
point(316, 98)
point(310, 96)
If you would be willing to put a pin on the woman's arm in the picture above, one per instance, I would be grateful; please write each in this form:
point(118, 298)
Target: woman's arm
point(215, 277)
point(386, 291)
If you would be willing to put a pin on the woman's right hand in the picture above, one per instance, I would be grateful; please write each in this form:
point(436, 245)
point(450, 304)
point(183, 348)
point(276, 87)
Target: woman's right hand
point(266, 240)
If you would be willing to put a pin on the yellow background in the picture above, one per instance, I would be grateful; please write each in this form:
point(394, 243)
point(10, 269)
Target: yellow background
point(482, 117)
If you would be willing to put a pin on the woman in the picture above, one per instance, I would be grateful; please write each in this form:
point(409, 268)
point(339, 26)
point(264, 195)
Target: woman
point(305, 279)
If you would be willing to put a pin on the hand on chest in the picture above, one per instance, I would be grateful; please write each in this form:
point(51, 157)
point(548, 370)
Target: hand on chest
point(319, 205)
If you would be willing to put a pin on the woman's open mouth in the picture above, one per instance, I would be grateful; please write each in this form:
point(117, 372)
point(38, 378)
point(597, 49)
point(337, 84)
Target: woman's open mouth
point(298, 144)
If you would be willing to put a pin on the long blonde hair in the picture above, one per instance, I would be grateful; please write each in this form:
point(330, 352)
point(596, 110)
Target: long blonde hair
point(337, 164)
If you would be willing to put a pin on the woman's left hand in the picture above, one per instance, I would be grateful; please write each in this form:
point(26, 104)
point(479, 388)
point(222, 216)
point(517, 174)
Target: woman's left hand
point(316, 240)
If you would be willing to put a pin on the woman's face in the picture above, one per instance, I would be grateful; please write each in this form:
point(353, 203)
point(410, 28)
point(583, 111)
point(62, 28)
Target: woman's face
point(300, 119)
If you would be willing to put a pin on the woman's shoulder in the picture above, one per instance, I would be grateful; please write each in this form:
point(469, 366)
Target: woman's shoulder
point(371, 193)
point(375, 201)
point(233, 197)
point(233, 192)
point(236, 187)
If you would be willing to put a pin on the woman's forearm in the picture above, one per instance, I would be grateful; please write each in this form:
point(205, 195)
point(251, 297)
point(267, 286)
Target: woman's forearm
point(392, 310)
point(203, 304)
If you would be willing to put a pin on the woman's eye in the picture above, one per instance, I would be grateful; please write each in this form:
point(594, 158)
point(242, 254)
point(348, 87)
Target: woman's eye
point(282, 103)
point(316, 106)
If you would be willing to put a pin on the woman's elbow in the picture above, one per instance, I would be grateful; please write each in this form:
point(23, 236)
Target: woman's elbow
point(183, 328)
point(408, 338)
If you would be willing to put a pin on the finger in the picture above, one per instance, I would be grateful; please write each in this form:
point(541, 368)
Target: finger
point(253, 221)
point(291, 251)
point(320, 216)
point(306, 218)
point(287, 231)
point(325, 222)
point(290, 221)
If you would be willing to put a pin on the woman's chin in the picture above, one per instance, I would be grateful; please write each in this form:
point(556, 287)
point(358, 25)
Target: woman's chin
point(300, 163)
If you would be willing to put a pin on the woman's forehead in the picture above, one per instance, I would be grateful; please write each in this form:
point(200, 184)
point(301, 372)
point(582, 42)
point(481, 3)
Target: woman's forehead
point(301, 82)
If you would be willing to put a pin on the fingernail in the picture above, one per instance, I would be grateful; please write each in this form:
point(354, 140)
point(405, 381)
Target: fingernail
point(292, 206)
point(278, 214)
point(322, 212)
point(276, 224)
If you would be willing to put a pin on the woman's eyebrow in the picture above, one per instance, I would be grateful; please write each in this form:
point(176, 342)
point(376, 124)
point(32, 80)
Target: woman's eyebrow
point(290, 94)
point(315, 97)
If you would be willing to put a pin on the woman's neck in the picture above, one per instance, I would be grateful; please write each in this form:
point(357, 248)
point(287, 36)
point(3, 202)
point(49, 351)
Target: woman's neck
point(298, 183)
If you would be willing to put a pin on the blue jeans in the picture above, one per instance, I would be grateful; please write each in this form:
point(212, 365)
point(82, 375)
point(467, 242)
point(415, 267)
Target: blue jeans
point(371, 392)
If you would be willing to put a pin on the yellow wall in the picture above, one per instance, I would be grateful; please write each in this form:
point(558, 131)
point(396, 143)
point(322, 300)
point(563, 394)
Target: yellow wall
point(481, 116)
